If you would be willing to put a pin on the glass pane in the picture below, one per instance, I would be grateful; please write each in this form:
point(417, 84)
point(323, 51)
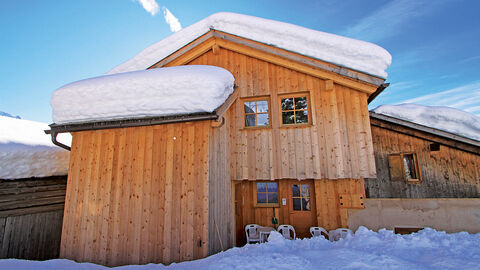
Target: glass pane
point(249, 107)
point(304, 191)
point(306, 204)
point(273, 197)
point(297, 204)
point(262, 106)
point(261, 197)
point(288, 118)
point(287, 104)
point(295, 191)
point(300, 103)
point(302, 116)
point(272, 187)
point(409, 167)
point(262, 119)
point(261, 187)
point(250, 120)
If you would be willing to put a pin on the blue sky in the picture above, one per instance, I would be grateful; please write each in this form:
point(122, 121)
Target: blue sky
point(46, 44)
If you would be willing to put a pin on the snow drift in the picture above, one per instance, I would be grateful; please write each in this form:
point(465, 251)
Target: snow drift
point(439, 117)
point(153, 92)
point(26, 151)
point(427, 249)
point(346, 52)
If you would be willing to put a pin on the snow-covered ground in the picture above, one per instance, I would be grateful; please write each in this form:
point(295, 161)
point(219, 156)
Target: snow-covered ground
point(347, 52)
point(439, 117)
point(427, 249)
point(153, 92)
point(26, 151)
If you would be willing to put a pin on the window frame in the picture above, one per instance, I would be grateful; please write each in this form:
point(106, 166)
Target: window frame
point(295, 95)
point(256, 204)
point(259, 98)
point(401, 156)
point(301, 197)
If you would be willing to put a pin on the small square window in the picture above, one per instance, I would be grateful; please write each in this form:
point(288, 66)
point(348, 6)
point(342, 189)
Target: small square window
point(256, 113)
point(267, 193)
point(294, 109)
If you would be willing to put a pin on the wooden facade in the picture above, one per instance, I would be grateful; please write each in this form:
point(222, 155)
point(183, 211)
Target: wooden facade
point(31, 214)
point(449, 166)
point(174, 192)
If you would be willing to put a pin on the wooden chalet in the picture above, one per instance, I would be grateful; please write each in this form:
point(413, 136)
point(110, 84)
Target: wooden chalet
point(293, 142)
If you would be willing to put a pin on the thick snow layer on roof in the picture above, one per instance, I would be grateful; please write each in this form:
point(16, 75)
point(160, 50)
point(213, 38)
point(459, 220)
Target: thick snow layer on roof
point(153, 92)
point(351, 53)
point(439, 117)
point(427, 249)
point(26, 151)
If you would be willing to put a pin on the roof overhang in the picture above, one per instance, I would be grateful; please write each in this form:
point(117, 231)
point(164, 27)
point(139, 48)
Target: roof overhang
point(424, 132)
point(214, 40)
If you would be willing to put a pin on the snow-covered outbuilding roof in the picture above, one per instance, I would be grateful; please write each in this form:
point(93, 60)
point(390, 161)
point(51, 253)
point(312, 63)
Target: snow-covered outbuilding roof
point(26, 151)
point(440, 117)
point(342, 51)
point(177, 90)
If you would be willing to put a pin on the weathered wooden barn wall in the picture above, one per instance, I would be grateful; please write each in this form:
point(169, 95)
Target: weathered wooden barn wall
point(31, 214)
point(448, 173)
point(221, 227)
point(329, 214)
point(138, 195)
point(336, 145)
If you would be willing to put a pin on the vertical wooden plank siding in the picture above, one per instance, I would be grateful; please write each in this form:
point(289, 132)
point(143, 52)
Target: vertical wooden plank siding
point(327, 193)
point(220, 190)
point(138, 195)
point(448, 173)
point(336, 146)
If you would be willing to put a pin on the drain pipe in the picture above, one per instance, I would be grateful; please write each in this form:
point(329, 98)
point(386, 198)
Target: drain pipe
point(54, 140)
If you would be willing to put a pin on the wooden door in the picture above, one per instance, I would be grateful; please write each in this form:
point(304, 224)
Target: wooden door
point(302, 208)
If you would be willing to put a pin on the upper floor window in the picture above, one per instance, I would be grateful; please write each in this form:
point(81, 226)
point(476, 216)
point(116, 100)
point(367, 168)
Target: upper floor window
point(294, 109)
point(256, 113)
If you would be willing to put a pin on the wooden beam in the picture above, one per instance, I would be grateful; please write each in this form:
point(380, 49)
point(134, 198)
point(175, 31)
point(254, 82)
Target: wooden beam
point(220, 111)
point(297, 66)
point(215, 49)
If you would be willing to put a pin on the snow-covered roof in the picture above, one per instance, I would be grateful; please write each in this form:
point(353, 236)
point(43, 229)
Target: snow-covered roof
point(439, 117)
point(26, 151)
point(346, 52)
point(154, 92)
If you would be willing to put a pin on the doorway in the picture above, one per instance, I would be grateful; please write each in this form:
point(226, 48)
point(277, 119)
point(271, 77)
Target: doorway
point(302, 208)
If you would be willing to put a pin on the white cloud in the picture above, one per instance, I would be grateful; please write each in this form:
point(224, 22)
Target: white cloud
point(387, 20)
point(466, 97)
point(171, 20)
point(150, 6)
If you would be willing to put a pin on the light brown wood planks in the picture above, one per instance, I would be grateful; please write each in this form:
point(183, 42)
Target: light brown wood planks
point(139, 195)
point(337, 146)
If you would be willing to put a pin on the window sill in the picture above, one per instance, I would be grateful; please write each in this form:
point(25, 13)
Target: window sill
point(256, 128)
point(297, 125)
point(268, 205)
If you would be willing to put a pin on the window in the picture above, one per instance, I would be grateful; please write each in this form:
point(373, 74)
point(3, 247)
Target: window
point(404, 167)
point(294, 109)
point(301, 197)
point(256, 113)
point(267, 193)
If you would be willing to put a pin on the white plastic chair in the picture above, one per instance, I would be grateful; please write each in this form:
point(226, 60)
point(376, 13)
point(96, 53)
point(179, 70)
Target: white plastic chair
point(251, 230)
point(318, 231)
point(285, 231)
point(340, 233)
